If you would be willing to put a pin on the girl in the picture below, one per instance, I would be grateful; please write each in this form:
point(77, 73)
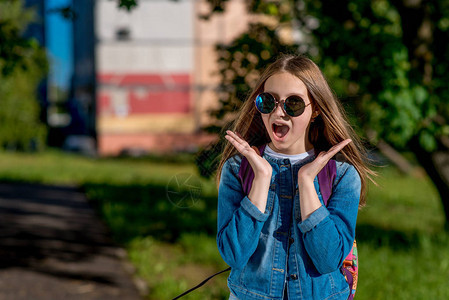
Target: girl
point(280, 241)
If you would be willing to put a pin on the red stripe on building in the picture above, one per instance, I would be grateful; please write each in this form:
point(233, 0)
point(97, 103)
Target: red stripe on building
point(145, 93)
point(159, 102)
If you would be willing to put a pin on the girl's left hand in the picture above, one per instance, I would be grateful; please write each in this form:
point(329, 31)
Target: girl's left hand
point(311, 170)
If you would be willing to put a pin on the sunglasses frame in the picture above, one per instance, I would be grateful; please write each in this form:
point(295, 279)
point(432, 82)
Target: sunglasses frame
point(277, 102)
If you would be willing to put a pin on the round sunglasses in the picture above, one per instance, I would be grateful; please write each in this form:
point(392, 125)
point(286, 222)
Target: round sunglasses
point(293, 106)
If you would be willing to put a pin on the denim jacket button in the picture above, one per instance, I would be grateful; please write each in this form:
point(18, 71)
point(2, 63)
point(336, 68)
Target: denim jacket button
point(293, 276)
point(291, 240)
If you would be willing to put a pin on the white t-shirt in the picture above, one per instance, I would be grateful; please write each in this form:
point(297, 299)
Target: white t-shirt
point(293, 158)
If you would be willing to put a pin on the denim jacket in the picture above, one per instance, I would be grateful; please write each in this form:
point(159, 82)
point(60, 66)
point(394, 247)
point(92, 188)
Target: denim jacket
point(275, 250)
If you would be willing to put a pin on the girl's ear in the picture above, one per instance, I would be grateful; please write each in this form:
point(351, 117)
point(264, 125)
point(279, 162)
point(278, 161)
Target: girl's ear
point(315, 114)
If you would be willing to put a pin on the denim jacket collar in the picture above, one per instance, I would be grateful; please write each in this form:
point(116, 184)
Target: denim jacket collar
point(286, 161)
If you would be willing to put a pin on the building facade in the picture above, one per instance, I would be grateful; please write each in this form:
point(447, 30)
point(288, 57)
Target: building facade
point(156, 73)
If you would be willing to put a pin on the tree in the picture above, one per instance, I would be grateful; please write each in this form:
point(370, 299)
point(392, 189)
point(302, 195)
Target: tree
point(387, 60)
point(22, 65)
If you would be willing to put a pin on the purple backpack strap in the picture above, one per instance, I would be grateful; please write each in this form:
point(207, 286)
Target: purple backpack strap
point(326, 179)
point(350, 281)
point(246, 173)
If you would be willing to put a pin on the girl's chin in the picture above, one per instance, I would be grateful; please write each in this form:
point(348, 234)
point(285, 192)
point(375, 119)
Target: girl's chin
point(280, 145)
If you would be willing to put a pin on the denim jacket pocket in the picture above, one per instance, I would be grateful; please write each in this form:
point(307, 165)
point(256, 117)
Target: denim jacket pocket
point(254, 276)
point(330, 286)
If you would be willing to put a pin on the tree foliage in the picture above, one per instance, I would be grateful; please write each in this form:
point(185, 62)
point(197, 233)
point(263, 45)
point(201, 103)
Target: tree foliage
point(22, 66)
point(383, 54)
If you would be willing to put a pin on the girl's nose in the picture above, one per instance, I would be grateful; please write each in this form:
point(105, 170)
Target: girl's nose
point(279, 110)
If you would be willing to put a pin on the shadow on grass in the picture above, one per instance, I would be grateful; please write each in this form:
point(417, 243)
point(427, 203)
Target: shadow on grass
point(395, 239)
point(132, 211)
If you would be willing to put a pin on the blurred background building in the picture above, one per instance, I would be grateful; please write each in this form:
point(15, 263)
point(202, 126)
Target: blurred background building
point(140, 81)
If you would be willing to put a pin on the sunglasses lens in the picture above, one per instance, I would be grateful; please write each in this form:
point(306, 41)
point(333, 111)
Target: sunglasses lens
point(265, 103)
point(294, 106)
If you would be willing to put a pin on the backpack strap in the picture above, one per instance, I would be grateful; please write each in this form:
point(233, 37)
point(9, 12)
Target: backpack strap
point(246, 173)
point(326, 179)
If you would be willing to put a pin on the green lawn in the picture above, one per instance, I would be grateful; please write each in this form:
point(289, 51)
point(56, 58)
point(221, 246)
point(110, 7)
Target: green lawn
point(169, 232)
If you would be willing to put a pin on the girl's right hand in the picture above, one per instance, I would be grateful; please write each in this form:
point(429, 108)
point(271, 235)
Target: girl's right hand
point(261, 167)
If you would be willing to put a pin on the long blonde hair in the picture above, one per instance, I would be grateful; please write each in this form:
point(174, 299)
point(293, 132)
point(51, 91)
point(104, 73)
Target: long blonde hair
point(329, 128)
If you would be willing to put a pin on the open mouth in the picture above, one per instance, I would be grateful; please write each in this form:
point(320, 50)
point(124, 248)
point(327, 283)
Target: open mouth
point(280, 130)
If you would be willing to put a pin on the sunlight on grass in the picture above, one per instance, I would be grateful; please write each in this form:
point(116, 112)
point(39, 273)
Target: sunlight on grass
point(403, 203)
point(61, 168)
point(172, 269)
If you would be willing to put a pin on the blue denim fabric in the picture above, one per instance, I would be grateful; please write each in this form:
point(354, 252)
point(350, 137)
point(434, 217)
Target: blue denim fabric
point(272, 251)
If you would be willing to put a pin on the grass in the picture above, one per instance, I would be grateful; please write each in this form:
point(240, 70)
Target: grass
point(171, 239)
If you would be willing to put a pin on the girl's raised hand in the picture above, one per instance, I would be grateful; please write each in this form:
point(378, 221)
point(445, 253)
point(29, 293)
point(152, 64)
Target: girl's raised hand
point(261, 166)
point(311, 170)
